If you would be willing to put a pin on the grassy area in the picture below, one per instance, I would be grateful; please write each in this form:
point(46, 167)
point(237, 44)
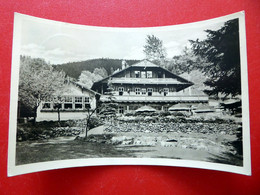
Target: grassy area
point(68, 148)
point(33, 152)
point(41, 151)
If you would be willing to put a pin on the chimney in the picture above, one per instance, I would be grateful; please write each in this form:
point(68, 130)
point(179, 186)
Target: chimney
point(124, 64)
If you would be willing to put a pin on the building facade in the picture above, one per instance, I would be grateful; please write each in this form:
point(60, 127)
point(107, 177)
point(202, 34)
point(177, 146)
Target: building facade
point(146, 83)
point(74, 103)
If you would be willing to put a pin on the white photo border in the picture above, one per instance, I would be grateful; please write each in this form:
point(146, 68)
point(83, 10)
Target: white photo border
point(50, 165)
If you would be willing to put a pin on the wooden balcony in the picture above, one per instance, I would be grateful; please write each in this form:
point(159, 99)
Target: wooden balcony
point(156, 99)
point(157, 81)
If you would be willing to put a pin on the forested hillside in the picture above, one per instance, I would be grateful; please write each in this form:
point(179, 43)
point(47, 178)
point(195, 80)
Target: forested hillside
point(74, 69)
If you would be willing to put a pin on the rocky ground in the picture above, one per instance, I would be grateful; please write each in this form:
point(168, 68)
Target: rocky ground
point(23, 135)
point(180, 127)
point(211, 139)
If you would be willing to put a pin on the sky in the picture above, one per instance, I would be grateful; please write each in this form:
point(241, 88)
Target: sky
point(58, 42)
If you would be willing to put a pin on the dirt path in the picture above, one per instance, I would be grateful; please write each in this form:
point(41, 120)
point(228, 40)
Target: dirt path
point(97, 131)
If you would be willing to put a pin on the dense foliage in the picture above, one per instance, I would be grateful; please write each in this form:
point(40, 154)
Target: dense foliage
point(186, 62)
point(87, 78)
point(221, 51)
point(154, 49)
point(38, 81)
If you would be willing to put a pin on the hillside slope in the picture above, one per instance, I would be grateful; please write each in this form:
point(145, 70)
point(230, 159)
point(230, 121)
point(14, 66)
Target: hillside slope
point(74, 69)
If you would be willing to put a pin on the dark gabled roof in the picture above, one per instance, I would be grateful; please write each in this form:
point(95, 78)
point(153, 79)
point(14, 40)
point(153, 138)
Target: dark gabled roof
point(135, 65)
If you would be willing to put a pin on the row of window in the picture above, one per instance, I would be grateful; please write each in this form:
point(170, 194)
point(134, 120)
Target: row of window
point(154, 89)
point(144, 91)
point(67, 103)
point(76, 99)
point(147, 74)
point(143, 74)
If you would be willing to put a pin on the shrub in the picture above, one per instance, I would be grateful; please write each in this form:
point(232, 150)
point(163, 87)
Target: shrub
point(146, 114)
point(95, 122)
point(29, 132)
point(130, 114)
point(177, 114)
point(164, 113)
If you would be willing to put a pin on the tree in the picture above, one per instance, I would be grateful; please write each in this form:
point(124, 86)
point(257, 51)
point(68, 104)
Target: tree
point(38, 82)
point(87, 78)
point(109, 109)
point(112, 70)
point(101, 72)
point(90, 113)
point(154, 49)
point(185, 63)
point(221, 50)
point(57, 101)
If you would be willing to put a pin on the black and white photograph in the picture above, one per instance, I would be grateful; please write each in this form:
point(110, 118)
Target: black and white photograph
point(171, 95)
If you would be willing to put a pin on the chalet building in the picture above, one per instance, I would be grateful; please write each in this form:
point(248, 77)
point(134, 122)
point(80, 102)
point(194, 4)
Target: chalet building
point(74, 103)
point(146, 83)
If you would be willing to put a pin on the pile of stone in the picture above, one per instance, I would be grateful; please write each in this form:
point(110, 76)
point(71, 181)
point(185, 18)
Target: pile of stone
point(204, 128)
point(66, 131)
point(23, 135)
point(165, 141)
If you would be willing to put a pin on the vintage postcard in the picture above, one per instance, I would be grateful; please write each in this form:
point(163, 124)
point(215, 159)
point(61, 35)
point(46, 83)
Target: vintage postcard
point(170, 95)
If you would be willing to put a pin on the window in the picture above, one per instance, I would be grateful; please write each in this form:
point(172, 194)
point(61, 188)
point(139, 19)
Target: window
point(150, 91)
point(137, 74)
point(46, 106)
point(68, 99)
point(143, 74)
point(149, 74)
point(143, 91)
point(165, 91)
point(121, 109)
point(86, 102)
point(121, 90)
point(78, 103)
point(57, 106)
point(137, 91)
point(68, 103)
point(86, 99)
point(78, 106)
point(67, 106)
point(78, 99)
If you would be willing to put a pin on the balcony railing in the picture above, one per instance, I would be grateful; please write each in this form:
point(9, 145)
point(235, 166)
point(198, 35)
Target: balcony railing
point(123, 80)
point(141, 98)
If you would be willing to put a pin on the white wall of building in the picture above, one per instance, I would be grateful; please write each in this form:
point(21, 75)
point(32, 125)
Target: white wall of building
point(53, 116)
point(71, 92)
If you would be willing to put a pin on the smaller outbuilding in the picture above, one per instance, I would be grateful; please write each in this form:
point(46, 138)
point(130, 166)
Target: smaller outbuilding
point(73, 103)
